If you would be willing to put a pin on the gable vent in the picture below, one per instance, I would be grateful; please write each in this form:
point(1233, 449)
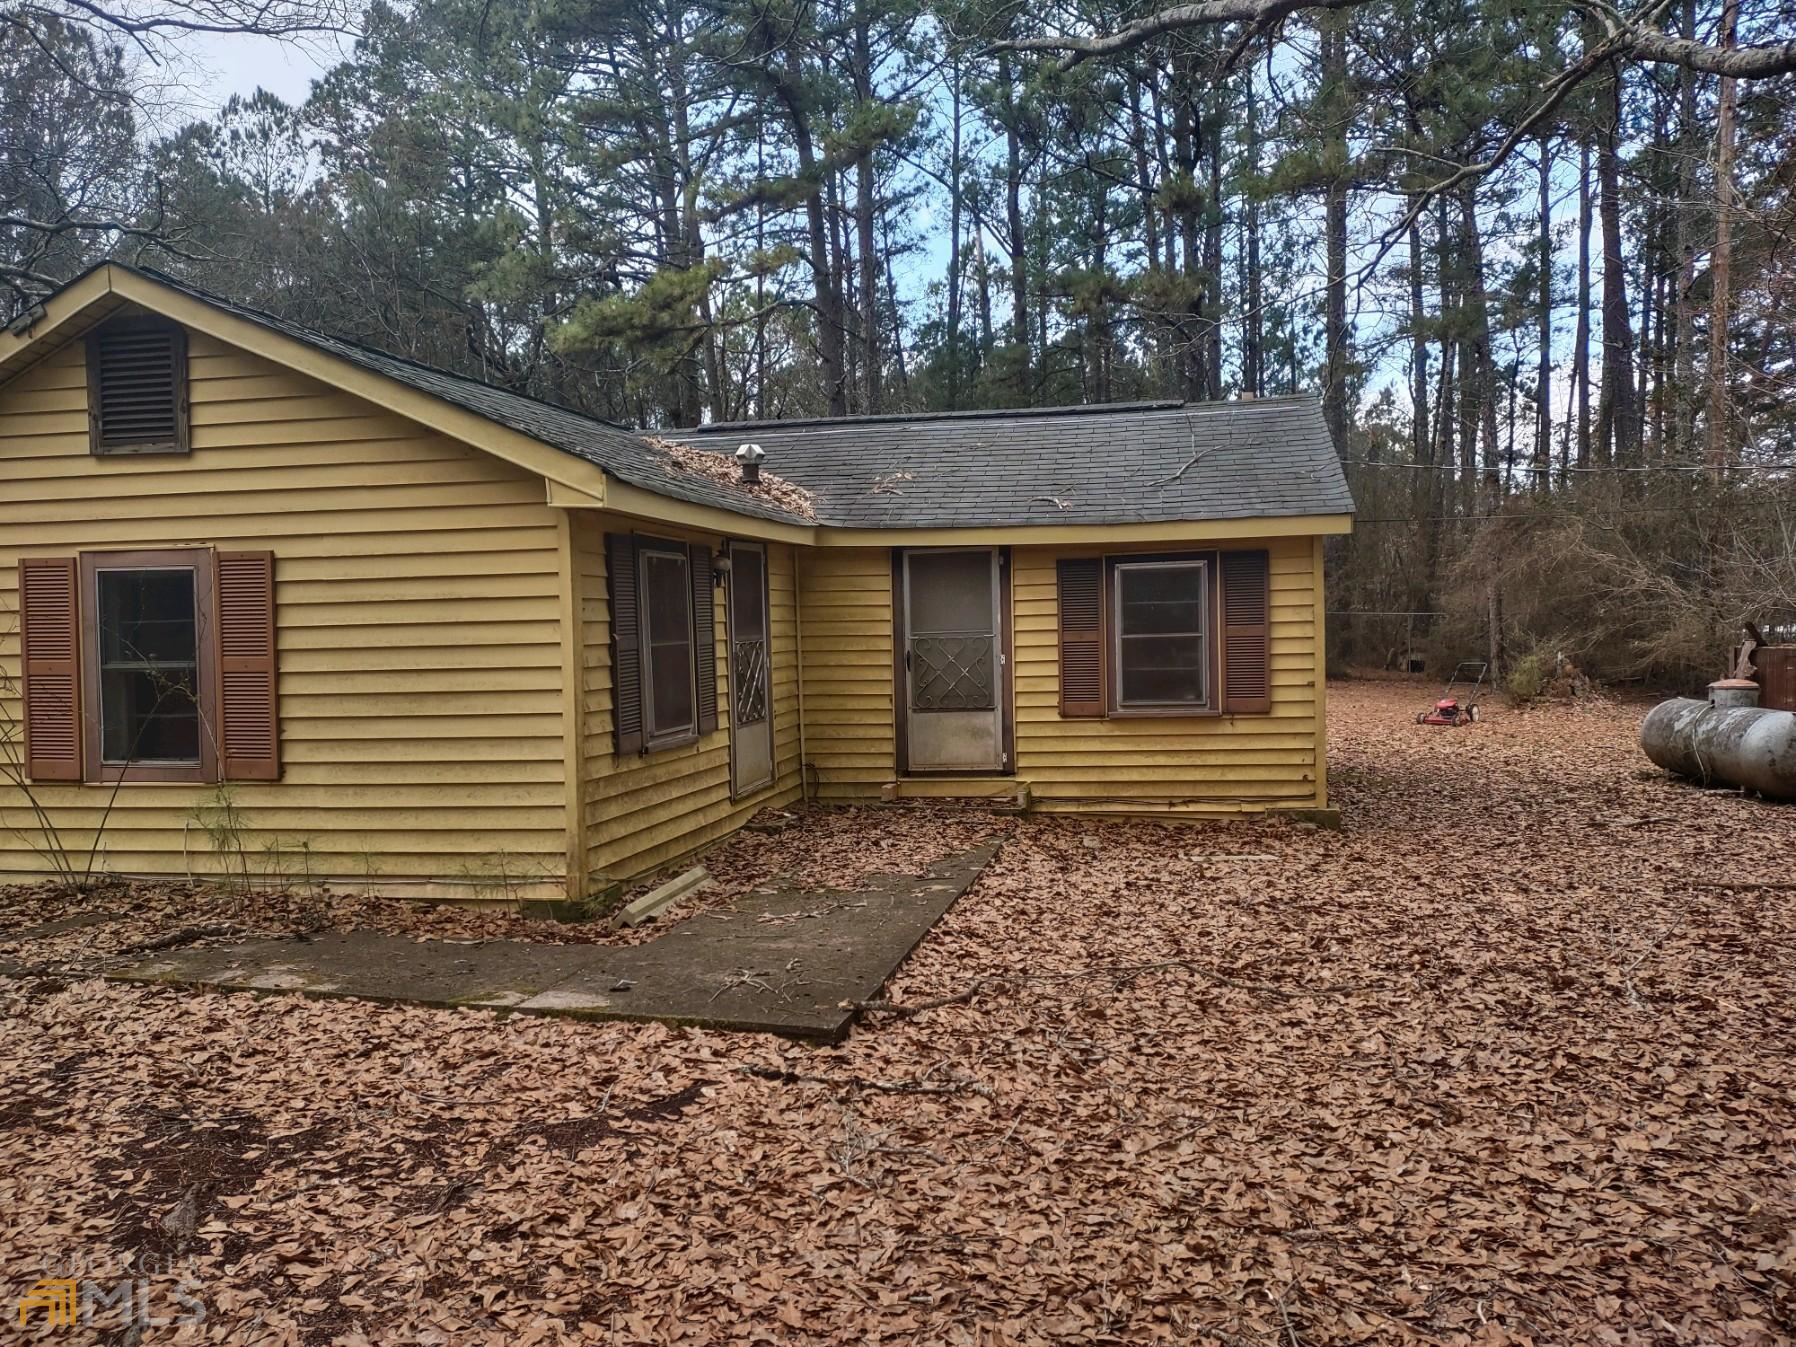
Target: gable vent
point(137, 389)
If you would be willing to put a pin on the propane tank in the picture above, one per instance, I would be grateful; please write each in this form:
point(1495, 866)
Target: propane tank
point(1745, 746)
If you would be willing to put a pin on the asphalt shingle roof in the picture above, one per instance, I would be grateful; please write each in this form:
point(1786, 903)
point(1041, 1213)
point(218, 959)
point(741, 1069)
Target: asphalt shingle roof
point(1127, 463)
point(620, 452)
point(1112, 464)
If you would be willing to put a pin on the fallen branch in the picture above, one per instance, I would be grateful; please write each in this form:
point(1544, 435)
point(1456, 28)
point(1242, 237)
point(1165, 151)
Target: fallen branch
point(185, 936)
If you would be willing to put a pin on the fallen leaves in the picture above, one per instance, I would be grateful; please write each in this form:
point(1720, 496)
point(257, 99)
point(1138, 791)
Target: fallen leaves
point(1527, 1078)
point(724, 471)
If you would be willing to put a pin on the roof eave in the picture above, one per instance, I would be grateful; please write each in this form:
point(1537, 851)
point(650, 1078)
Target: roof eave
point(1244, 529)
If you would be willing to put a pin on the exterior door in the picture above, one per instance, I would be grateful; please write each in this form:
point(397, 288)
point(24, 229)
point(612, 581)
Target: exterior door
point(952, 661)
point(751, 698)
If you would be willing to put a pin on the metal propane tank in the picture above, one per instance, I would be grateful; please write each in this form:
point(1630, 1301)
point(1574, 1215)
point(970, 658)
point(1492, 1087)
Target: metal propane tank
point(1745, 746)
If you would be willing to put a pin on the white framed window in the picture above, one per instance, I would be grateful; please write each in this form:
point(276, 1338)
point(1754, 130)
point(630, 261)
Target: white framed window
point(1160, 651)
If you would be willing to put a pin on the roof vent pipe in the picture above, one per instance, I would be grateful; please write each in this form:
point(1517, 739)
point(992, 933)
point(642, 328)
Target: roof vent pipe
point(751, 456)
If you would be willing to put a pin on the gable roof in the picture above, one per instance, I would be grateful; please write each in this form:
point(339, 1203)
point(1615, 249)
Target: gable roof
point(619, 451)
point(1143, 462)
point(1150, 462)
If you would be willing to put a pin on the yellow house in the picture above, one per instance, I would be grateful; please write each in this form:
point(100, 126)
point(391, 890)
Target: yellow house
point(274, 601)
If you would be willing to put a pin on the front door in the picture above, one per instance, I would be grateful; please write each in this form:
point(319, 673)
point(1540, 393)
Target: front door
point(751, 700)
point(952, 661)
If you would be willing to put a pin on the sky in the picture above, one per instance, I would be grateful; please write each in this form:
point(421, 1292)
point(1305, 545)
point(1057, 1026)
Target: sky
point(218, 65)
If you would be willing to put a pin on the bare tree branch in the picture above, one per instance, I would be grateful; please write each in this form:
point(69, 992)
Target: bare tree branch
point(1630, 38)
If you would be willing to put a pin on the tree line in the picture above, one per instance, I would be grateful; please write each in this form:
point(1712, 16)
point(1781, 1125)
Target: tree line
point(1532, 257)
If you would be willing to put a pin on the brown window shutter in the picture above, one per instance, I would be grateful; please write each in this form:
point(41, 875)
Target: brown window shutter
point(704, 633)
point(50, 638)
point(137, 388)
point(626, 642)
point(1082, 636)
point(249, 738)
point(1246, 631)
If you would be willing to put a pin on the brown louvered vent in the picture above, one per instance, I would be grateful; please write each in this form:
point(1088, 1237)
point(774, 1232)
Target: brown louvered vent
point(52, 715)
point(1246, 636)
point(249, 732)
point(1081, 636)
point(137, 388)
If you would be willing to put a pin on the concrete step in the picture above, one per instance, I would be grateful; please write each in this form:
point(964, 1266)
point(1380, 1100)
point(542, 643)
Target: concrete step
point(1002, 791)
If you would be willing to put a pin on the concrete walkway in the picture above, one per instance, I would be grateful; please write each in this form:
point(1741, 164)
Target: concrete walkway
point(779, 962)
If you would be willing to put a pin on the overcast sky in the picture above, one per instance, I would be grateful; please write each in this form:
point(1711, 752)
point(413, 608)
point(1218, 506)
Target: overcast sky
point(219, 65)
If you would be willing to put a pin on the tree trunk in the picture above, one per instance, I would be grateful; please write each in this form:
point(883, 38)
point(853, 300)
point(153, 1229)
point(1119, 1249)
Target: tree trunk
point(1185, 137)
point(1013, 218)
point(1720, 448)
point(1213, 253)
point(1617, 420)
point(828, 296)
point(1253, 338)
point(1581, 336)
point(885, 234)
point(1683, 379)
point(864, 208)
point(1154, 330)
point(1420, 444)
point(954, 212)
point(1543, 376)
point(1336, 337)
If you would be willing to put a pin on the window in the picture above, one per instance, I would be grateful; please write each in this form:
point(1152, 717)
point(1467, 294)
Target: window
point(1180, 634)
point(1161, 652)
point(146, 648)
point(149, 667)
point(663, 641)
point(666, 586)
point(137, 388)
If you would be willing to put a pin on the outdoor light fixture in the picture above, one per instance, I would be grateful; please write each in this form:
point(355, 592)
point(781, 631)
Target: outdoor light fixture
point(751, 456)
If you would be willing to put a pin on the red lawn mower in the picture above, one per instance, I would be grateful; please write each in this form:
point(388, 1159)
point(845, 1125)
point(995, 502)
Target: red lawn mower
point(1451, 710)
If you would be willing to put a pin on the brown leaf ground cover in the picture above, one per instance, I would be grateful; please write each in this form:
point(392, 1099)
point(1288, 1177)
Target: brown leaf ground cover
point(48, 930)
point(1499, 1063)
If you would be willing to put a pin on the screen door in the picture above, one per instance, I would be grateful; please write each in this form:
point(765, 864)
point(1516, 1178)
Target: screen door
point(751, 704)
point(952, 662)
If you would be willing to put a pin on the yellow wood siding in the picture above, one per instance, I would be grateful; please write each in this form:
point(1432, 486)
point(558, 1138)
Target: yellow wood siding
point(650, 809)
point(1155, 763)
point(417, 614)
point(846, 598)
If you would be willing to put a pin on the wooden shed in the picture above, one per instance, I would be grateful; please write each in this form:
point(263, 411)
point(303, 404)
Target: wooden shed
point(402, 629)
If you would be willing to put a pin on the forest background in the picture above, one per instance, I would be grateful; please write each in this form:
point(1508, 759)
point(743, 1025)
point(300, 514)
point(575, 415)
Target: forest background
point(1533, 257)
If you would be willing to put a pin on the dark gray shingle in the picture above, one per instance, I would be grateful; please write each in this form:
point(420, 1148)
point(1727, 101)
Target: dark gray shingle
point(1141, 462)
point(1121, 463)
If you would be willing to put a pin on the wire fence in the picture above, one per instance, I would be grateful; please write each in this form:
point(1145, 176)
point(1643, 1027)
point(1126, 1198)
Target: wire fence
point(1395, 640)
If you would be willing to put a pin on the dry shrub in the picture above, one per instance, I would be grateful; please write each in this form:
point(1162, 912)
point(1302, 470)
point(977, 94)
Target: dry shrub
point(1633, 582)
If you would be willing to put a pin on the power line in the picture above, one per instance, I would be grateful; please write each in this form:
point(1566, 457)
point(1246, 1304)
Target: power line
point(1531, 514)
point(1518, 467)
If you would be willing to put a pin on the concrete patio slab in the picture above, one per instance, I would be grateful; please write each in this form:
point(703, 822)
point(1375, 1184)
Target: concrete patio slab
point(777, 961)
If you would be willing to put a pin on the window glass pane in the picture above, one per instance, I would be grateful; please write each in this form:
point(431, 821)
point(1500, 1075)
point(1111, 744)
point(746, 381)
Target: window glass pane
point(746, 612)
point(149, 667)
point(950, 592)
point(1156, 600)
point(670, 687)
point(1161, 669)
point(667, 596)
